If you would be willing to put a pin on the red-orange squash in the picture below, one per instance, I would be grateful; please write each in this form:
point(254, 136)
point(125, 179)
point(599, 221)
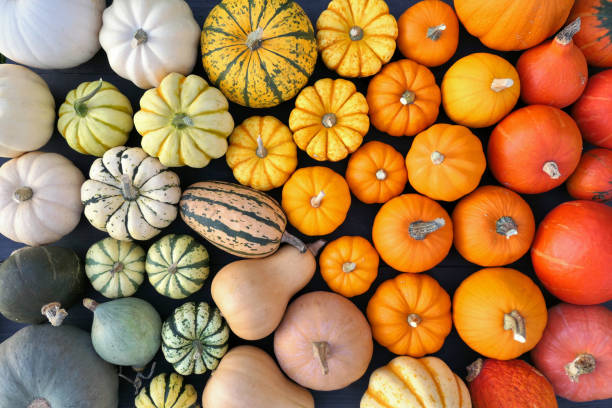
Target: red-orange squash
point(592, 111)
point(592, 179)
point(595, 37)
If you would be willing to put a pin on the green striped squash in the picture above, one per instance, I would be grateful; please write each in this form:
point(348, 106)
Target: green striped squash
point(115, 268)
point(167, 391)
point(194, 338)
point(177, 265)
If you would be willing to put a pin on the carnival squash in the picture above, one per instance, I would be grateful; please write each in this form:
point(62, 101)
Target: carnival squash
point(499, 313)
point(324, 342)
point(167, 391)
point(412, 233)
point(410, 315)
point(592, 179)
point(260, 62)
point(376, 173)
point(403, 98)
point(330, 119)
point(445, 162)
point(595, 37)
point(493, 226)
point(570, 253)
point(479, 90)
point(262, 153)
point(592, 111)
point(534, 149)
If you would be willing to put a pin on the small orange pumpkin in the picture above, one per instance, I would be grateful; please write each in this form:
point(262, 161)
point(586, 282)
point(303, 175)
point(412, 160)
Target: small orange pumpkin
point(445, 162)
point(410, 315)
point(316, 200)
point(349, 265)
point(412, 233)
point(592, 179)
point(428, 33)
point(376, 173)
point(403, 98)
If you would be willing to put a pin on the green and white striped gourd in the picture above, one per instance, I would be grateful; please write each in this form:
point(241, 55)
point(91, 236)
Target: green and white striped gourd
point(194, 338)
point(177, 265)
point(115, 268)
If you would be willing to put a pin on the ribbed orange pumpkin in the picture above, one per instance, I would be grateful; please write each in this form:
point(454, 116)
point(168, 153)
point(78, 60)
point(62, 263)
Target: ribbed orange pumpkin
point(376, 173)
point(410, 314)
point(445, 162)
point(412, 233)
point(592, 179)
point(403, 98)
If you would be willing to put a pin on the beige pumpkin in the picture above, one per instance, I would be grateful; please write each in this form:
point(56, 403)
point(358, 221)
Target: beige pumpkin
point(39, 198)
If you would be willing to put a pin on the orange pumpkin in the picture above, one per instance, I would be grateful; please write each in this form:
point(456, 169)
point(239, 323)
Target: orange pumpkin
point(349, 265)
point(410, 315)
point(592, 179)
point(376, 173)
point(428, 33)
point(445, 162)
point(412, 233)
point(499, 313)
point(316, 200)
point(595, 36)
point(493, 226)
point(403, 98)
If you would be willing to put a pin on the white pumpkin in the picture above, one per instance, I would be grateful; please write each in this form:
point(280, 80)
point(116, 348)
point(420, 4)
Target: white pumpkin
point(50, 34)
point(147, 39)
point(39, 198)
point(130, 195)
point(27, 111)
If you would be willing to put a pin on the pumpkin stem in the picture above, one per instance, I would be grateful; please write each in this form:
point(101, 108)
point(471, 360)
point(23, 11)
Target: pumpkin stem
point(181, 121)
point(137, 381)
point(294, 241)
point(414, 320)
point(117, 268)
point(407, 98)
point(315, 247)
point(261, 151)
point(199, 349)
point(39, 403)
point(565, 36)
point(499, 85)
point(172, 268)
point(436, 157)
point(54, 313)
point(552, 170)
point(515, 322)
point(356, 33)
point(474, 370)
point(128, 190)
point(349, 267)
point(506, 226)
point(90, 304)
point(321, 351)
point(315, 201)
point(329, 120)
point(22, 194)
point(80, 107)
point(434, 33)
point(140, 37)
point(420, 229)
point(254, 39)
point(583, 364)
point(381, 174)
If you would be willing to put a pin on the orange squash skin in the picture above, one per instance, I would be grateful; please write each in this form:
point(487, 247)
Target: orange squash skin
point(592, 111)
point(592, 179)
point(595, 36)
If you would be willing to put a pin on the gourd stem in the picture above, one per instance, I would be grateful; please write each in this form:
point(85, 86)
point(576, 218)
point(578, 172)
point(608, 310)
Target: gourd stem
point(39, 403)
point(315, 201)
point(254, 39)
point(140, 37)
point(294, 241)
point(407, 98)
point(474, 370)
point(54, 313)
point(90, 304)
point(515, 322)
point(565, 36)
point(315, 247)
point(356, 33)
point(321, 351)
point(181, 121)
point(128, 190)
point(414, 320)
point(434, 33)
point(506, 226)
point(261, 151)
point(199, 349)
point(137, 381)
point(117, 268)
point(583, 364)
point(381, 174)
point(499, 85)
point(551, 169)
point(23, 194)
point(329, 120)
point(436, 157)
point(172, 268)
point(420, 229)
point(80, 107)
point(349, 267)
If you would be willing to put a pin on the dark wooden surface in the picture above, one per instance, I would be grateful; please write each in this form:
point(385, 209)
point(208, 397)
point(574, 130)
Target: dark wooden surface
point(359, 221)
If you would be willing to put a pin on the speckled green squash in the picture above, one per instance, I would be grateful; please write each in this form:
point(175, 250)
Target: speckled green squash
point(194, 338)
point(115, 268)
point(167, 391)
point(177, 265)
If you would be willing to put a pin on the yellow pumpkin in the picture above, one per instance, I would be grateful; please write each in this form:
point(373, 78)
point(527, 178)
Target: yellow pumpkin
point(258, 52)
point(184, 121)
point(330, 119)
point(261, 153)
point(356, 37)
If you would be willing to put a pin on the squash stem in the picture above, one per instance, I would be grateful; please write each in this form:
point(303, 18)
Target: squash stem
point(137, 381)
point(80, 107)
point(584, 363)
point(381, 174)
point(39, 403)
point(474, 370)
point(515, 322)
point(90, 304)
point(321, 351)
point(414, 320)
point(552, 170)
point(349, 267)
point(499, 85)
point(356, 33)
point(261, 151)
point(316, 201)
point(436, 157)
point(434, 33)
point(329, 120)
point(181, 121)
point(140, 37)
point(54, 313)
point(420, 229)
point(565, 36)
point(506, 226)
point(294, 241)
point(117, 268)
point(23, 194)
point(407, 98)
point(254, 39)
point(315, 247)
point(128, 190)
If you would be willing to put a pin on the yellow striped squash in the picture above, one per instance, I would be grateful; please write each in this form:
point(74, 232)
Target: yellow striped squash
point(167, 391)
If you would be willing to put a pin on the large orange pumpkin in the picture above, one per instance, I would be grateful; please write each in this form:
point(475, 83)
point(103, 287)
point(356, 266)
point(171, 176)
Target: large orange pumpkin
point(493, 226)
point(512, 25)
point(592, 179)
point(403, 98)
point(499, 313)
point(445, 162)
point(376, 173)
point(410, 315)
point(592, 111)
point(595, 36)
point(412, 233)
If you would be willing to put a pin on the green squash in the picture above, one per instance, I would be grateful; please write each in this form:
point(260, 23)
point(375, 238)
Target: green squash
point(167, 391)
point(37, 280)
point(54, 367)
point(115, 268)
point(177, 266)
point(125, 331)
point(194, 338)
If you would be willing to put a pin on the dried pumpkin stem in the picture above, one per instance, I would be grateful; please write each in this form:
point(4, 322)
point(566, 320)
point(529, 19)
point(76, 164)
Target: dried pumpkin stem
point(254, 39)
point(356, 33)
point(474, 370)
point(39, 403)
point(499, 85)
point(329, 120)
point(315, 247)
point(23, 194)
point(80, 106)
point(436, 157)
point(349, 267)
point(140, 37)
point(182, 120)
point(506, 226)
point(434, 33)
point(407, 98)
point(420, 229)
point(172, 268)
point(54, 313)
point(294, 241)
point(316, 201)
point(90, 304)
point(117, 268)
point(128, 190)
point(381, 174)
point(261, 151)
point(552, 170)
point(321, 351)
point(414, 320)
point(137, 381)
point(515, 322)
point(583, 364)
point(565, 36)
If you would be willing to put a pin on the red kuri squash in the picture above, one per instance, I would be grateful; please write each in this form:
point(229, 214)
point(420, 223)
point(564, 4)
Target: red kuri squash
point(592, 180)
point(592, 111)
point(595, 38)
